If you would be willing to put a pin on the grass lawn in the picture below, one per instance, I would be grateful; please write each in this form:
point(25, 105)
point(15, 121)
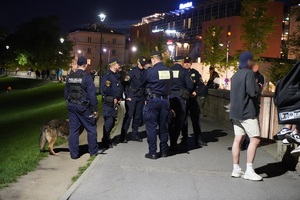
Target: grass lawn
point(19, 83)
point(22, 113)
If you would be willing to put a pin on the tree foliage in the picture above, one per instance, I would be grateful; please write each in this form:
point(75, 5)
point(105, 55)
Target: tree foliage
point(146, 45)
point(294, 38)
point(279, 69)
point(256, 26)
point(39, 41)
point(214, 53)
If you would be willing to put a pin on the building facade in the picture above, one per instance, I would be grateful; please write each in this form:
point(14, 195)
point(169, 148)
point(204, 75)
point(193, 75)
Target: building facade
point(185, 27)
point(86, 43)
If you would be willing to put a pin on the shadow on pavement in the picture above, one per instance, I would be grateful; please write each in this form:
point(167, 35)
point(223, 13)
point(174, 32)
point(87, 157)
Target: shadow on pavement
point(213, 136)
point(272, 170)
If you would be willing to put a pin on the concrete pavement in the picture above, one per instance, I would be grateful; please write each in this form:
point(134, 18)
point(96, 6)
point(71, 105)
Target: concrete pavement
point(204, 173)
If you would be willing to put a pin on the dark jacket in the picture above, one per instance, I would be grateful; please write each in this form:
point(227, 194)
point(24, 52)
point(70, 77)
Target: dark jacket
point(159, 79)
point(243, 95)
point(287, 97)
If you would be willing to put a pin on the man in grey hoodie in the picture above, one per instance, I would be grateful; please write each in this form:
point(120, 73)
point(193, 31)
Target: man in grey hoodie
point(244, 115)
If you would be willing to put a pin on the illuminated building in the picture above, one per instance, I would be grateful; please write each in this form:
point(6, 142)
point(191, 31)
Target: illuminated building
point(86, 43)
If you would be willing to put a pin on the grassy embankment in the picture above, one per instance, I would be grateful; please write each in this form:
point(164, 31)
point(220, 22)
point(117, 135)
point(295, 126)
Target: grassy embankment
point(22, 112)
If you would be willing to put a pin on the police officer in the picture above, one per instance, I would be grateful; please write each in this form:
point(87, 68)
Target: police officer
point(112, 91)
point(156, 111)
point(80, 94)
point(135, 100)
point(181, 88)
point(192, 105)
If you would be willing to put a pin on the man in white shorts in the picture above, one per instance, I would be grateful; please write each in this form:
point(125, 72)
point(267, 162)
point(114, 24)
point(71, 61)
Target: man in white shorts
point(244, 115)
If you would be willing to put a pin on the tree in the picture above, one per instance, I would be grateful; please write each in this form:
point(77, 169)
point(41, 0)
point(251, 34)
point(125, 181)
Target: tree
point(279, 69)
point(39, 40)
point(256, 26)
point(214, 52)
point(146, 45)
point(294, 38)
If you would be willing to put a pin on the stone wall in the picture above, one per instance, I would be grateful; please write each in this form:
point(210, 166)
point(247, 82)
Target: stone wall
point(213, 107)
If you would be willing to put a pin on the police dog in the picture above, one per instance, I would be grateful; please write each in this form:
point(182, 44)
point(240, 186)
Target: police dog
point(50, 131)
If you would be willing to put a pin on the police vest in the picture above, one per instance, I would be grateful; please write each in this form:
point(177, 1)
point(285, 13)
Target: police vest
point(76, 87)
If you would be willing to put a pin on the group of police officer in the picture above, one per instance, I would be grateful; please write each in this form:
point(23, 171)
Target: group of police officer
point(161, 96)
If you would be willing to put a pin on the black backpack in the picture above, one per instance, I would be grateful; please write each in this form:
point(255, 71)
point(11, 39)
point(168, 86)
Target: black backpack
point(287, 97)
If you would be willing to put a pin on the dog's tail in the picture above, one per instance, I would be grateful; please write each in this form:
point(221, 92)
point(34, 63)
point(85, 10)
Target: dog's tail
point(43, 138)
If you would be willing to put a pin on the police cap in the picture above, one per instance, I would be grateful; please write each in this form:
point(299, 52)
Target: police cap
point(114, 61)
point(187, 59)
point(143, 60)
point(155, 53)
point(81, 61)
point(179, 59)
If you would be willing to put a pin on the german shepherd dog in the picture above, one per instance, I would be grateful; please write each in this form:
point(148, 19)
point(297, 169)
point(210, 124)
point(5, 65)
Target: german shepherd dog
point(50, 131)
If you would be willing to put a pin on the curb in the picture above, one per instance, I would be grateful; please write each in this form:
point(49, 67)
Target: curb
point(77, 183)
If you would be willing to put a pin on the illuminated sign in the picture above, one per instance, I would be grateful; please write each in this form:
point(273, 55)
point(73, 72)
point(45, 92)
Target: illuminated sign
point(157, 30)
point(185, 5)
point(171, 31)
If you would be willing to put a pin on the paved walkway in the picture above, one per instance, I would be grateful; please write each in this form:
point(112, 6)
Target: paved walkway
point(124, 174)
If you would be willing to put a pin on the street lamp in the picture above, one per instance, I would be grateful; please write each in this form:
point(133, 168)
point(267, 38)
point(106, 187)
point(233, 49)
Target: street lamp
point(7, 47)
point(102, 18)
point(134, 49)
point(62, 40)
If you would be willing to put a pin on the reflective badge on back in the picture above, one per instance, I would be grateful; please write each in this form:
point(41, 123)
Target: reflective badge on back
point(164, 75)
point(176, 74)
point(75, 80)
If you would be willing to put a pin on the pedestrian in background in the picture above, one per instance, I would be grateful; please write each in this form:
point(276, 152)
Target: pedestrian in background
point(134, 100)
point(112, 90)
point(244, 115)
point(157, 108)
point(80, 94)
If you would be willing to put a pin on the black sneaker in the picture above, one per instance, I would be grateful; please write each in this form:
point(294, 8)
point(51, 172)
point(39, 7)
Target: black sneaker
point(123, 140)
point(201, 142)
point(293, 138)
point(136, 139)
point(151, 156)
point(282, 133)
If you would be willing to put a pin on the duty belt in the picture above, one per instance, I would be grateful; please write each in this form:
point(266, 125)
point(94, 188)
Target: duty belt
point(160, 96)
point(83, 103)
point(178, 93)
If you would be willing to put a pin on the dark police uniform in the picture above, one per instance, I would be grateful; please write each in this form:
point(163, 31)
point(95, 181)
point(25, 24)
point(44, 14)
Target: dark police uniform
point(80, 94)
point(156, 111)
point(111, 89)
point(193, 108)
point(182, 86)
point(135, 91)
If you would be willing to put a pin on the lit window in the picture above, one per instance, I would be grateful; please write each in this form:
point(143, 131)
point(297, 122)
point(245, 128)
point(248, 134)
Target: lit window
point(189, 23)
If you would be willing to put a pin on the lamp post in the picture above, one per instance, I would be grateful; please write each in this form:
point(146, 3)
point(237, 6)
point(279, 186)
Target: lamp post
point(102, 18)
point(227, 47)
point(108, 54)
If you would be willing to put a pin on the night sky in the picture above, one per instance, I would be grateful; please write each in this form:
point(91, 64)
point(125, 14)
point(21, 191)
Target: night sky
point(121, 13)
